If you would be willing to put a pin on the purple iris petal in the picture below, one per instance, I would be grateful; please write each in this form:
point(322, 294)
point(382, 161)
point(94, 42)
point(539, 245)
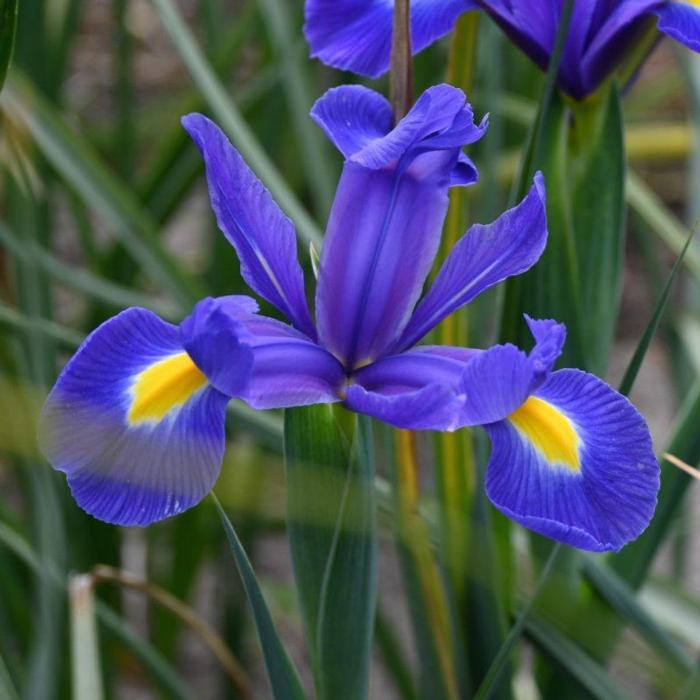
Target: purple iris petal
point(262, 235)
point(444, 388)
point(681, 22)
point(216, 341)
point(593, 482)
point(356, 34)
point(133, 456)
point(499, 380)
point(379, 245)
point(483, 257)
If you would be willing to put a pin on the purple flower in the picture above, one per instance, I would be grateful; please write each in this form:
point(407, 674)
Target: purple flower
point(356, 34)
point(136, 419)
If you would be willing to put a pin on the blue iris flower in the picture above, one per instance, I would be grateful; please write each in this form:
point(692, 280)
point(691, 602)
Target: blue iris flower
point(136, 419)
point(355, 35)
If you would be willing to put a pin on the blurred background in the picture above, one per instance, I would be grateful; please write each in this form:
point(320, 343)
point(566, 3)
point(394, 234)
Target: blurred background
point(103, 205)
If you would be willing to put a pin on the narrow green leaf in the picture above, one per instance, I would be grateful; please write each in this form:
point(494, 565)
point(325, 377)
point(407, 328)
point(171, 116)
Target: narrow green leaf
point(573, 660)
point(292, 53)
point(621, 598)
point(283, 678)
point(490, 683)
point(649, 207)
point(51, 329)
point(393, 657)
point(150, 658)
point(75, 161)
point(8, 29)
point(596, 173)
point(643, 345)
point(81, 280)
point(7, 688)
point(331, 524)
point(85, 650)
point(229, 117)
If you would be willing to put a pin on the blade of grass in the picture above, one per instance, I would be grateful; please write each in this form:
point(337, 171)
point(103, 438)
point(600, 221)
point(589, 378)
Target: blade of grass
point(490, 683)
point(90, 284)
point(643, 345)
point(573, 660)
point(75, 161)
point(292, 56)
point(8, 30)
point(85, 652)
point(7, 688)
point(282, 675)
point(150, 658)
point(231, 120)
point(648, 205)
point(16, 319)
point(621, 598)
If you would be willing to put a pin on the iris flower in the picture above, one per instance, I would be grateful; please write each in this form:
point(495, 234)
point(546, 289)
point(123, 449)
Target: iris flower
point(136, 419)
point(355, 35)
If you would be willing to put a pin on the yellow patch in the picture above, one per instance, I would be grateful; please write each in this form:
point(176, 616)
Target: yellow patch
point(164, 386)
point(549, 430)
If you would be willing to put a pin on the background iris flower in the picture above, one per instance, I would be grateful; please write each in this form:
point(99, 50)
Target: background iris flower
point(356, 34)
point(136, 419)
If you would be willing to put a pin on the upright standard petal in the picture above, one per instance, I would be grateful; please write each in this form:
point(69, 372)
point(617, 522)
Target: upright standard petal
point(385, 224)
point(483, 257)
point(250, 219)
point(355, 35)
point(134, 423)
point(286, 368)
point(575, 463)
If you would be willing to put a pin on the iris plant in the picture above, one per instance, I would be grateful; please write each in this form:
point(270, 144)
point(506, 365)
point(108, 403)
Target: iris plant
point(356, 34)
point(136, 419)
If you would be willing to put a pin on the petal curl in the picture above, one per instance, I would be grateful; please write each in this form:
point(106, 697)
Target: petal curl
point(575, 463)
point(286, 367)
point(134, 423)
point(355, 35)
point(250, 219)
point(385, 225)
point(681, 21)
point(483, 257)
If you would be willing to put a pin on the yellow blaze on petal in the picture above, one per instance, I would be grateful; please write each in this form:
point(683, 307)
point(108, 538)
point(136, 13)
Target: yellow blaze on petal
point(164, 386)
point(550, 431)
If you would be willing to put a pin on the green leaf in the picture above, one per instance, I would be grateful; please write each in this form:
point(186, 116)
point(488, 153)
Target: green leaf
point(85, 650)
point(283, 678)
point(76, 162)
point(641, 350)
point(150, 658)
point(490, 683)
point(573, 660)
point(331, 516)
point(393, 657)
point(292, 56)
point(551, 288)
point(231, 120)
point(51, 329)
point(621, 598)
point(83, 281)
point(8, 29)
point(7, 688)
point(596, 173)
point(652, 210)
